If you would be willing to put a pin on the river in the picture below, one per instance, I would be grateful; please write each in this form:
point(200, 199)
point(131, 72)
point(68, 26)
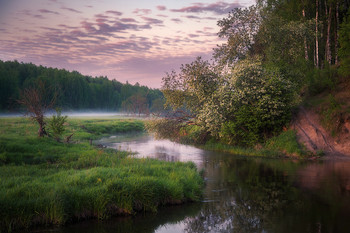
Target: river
point(241, 194)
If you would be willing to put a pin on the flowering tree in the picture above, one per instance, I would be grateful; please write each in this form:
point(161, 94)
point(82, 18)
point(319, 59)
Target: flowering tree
point(260, 103)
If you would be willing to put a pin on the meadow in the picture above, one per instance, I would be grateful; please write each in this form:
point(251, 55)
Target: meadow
point(45, 182)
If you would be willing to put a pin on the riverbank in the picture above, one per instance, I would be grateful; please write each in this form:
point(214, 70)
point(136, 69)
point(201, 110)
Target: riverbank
point(284, 145)
point(44, 182)
point(306, 137)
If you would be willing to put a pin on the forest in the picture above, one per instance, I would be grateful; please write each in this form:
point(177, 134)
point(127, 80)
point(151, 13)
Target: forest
point(74, 90)
point(277, 55)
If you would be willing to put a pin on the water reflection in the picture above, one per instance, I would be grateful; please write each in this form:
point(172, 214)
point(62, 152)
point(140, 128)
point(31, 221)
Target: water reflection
point(146, 147)
point(243, 194)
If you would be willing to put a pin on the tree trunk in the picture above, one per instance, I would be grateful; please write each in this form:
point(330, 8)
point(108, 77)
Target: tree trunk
point(328, 56)
point(336, 33)
point(316, 50)
point(305, 44)
point(41, 131)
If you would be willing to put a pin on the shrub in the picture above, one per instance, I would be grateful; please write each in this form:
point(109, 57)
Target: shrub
point(286, 143)
point(261, 103)
point(56, 124)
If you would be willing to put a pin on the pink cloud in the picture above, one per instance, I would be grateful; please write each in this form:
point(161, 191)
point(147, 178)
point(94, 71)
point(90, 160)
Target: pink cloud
point(142, 11)
point(118, 13)
point(161, 8)
point(217, 8)
point(45, 11)
point(70, 9)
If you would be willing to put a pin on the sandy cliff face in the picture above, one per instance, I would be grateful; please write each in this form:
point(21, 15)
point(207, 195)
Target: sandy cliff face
point(316, 138)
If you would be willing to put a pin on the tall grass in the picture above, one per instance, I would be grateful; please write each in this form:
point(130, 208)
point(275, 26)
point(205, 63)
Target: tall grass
point(283, 145)
point(43, 182)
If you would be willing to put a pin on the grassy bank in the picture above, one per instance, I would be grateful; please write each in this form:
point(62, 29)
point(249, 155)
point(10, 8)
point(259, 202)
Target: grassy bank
point(281, 146)
point(44, 182)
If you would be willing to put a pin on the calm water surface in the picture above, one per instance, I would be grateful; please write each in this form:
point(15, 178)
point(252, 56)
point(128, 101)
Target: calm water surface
point(241, 194)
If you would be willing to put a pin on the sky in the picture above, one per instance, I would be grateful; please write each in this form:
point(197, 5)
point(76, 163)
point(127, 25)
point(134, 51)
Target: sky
point(127, 40)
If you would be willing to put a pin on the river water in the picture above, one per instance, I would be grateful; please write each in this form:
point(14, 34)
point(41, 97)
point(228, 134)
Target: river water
point(241, 194)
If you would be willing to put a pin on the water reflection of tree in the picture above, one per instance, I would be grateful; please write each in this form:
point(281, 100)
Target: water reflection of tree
point(255, 195)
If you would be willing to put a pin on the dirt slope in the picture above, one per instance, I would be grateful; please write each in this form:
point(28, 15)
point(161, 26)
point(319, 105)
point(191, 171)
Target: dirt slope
point(316, 138)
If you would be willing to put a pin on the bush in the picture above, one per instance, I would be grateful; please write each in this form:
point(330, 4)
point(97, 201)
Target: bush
point(322, 80)
point(56, 124)
point(193, 134)
point(286, 143)
point(261, 104)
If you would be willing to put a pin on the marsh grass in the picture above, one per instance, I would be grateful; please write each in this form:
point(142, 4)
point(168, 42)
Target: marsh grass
point(283, 145)
point(43, 182)
point(248, 151)
point(286, 143)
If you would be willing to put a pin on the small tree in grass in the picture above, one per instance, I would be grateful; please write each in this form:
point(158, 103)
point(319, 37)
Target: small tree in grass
point(37, 100)
point(56, 124)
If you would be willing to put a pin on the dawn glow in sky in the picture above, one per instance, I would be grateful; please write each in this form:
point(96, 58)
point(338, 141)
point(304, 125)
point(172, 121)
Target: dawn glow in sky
point(129, 40)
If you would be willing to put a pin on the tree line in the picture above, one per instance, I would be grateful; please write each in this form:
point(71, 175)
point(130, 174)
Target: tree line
point(74, 90)
point(277, 52)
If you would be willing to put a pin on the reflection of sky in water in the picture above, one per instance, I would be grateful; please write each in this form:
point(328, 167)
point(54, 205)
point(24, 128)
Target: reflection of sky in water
point(171, 228)
point(159, 149)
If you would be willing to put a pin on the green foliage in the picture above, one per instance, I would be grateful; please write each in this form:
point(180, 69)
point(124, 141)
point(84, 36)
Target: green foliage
point(331, 114)
point(244, 129)
point(240, 28)
point(44, 182)
point(165, 128)
point(322, 80)
point(193, 134)
point(244, 106)
point(344, 50)
point(285, 143)
point(261, 103)
point(56, 124)
point(136, 104)
point(190, 88)
point(282, 40)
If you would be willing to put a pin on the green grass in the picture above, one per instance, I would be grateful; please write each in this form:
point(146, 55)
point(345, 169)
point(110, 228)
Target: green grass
point(286, 143)
point(43, 182)
point(283, 145)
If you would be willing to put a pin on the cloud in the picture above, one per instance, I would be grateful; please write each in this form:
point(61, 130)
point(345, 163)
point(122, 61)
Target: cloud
point(51, 29)
point(102, 16)
point(192, 17)
point(45, 11)
point(30, 14)
point(176, 20)
point(152, 20)
point(206, 33)
point(67, 27)
point(142, 11)
point(128, 20)
point(161, 8)
point(218, 8)
point(163, 16)
point(39, 16)
point(70, 9)
point(117, 13)
point(193, 35)
point(99, 20)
